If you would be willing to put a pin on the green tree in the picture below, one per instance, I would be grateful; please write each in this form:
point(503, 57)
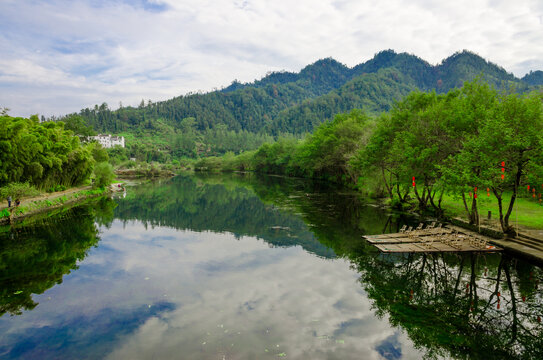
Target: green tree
point(45, 154)
point(103, 174)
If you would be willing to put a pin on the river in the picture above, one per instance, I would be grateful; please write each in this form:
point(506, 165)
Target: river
point(247, 267)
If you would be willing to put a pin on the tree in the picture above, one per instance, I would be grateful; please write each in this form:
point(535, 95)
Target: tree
point(474, 106)
point(76, 124)
point(103, 174)
point(508, 129)
point(44, 154)
point(328, 152)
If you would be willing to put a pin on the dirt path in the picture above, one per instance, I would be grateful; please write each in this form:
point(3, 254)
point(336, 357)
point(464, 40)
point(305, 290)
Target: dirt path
point(45, 196)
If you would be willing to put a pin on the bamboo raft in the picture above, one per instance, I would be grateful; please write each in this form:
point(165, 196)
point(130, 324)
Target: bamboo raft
point(431, 239)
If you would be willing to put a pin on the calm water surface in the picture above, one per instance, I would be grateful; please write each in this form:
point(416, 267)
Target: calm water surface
point(239, 267)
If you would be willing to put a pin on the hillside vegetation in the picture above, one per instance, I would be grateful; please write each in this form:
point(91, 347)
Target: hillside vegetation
point(469, 141)
point(241, 117)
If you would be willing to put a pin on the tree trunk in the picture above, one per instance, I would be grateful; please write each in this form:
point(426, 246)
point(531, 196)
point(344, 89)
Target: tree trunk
point(437, 208)
point(466, 205)
point(500, 208)
point(387, 186)
point(508, 229)
point(474, 220)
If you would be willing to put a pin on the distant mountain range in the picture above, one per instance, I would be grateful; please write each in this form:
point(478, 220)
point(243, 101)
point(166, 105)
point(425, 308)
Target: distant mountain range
point(288, 102)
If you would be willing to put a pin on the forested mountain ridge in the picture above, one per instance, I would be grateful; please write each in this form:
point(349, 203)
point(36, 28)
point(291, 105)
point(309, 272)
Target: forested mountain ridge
point(319, 78)
point(534, 78)
point(287, 102)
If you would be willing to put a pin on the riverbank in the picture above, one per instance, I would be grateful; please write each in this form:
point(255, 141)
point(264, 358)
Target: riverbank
point(143, 173)
point(48, 201)
point(527, 244)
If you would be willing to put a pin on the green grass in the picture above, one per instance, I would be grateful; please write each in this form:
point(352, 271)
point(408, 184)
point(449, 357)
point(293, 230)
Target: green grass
point(527, 211)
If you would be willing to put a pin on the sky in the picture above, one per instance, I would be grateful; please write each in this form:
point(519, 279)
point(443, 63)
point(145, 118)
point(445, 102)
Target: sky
point(59, 56)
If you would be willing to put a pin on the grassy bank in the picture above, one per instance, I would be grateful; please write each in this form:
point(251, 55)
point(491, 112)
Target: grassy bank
point(527, 211)
point(48, 202)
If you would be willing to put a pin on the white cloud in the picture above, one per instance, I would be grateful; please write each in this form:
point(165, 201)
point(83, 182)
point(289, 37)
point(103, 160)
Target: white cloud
point(223, 291)
point(60, 56)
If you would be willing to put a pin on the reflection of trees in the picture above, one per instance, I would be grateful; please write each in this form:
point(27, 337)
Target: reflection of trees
point(463, 306)
point(35, 257)
point(477, 306)
point(337, 217)
point(202, 204)
point(460, 306)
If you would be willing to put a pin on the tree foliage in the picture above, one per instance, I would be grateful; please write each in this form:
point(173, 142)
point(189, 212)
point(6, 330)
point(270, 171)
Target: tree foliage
point(103, 174)
point(43, 154)
point(426, 145)
point(285, 102)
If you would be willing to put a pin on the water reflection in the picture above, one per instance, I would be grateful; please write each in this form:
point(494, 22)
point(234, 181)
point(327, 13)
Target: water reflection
point(210, 204)
point(210, 267)
point(36, 257)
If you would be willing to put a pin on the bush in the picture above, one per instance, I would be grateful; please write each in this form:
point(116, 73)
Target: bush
point(104, 175)
point(211, 163)
point(4, 213)
point(56, 188)
point(18, 191)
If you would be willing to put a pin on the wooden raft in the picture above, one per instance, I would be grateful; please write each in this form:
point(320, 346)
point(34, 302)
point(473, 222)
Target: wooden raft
point(399, 238)
point(434, 247)
point(427, 242)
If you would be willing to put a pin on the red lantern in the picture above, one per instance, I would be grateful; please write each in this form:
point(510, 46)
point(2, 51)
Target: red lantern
point(539, 319)
point(503, 177)
point(528, 187)
point(523, 298)
point(499, 294)
point(503, 163)
point(498, 306)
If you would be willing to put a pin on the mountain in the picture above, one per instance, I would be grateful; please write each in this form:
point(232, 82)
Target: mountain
point(534, 78)
point(288, 102)
point(318, 78)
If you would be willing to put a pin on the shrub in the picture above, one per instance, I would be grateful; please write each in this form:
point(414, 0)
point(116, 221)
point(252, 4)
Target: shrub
point(18, 191)
point(104, 174)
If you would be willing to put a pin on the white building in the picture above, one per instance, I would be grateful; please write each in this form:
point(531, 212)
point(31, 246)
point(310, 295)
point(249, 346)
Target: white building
point(108, 141)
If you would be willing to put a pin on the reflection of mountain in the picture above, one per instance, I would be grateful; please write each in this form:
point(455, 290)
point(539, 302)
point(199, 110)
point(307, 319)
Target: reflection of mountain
point(35, 258)
point(188, 203)
point(451, 306)
point(480, 306)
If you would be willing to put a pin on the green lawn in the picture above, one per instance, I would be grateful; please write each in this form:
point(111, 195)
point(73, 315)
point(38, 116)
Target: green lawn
point(527, 211)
